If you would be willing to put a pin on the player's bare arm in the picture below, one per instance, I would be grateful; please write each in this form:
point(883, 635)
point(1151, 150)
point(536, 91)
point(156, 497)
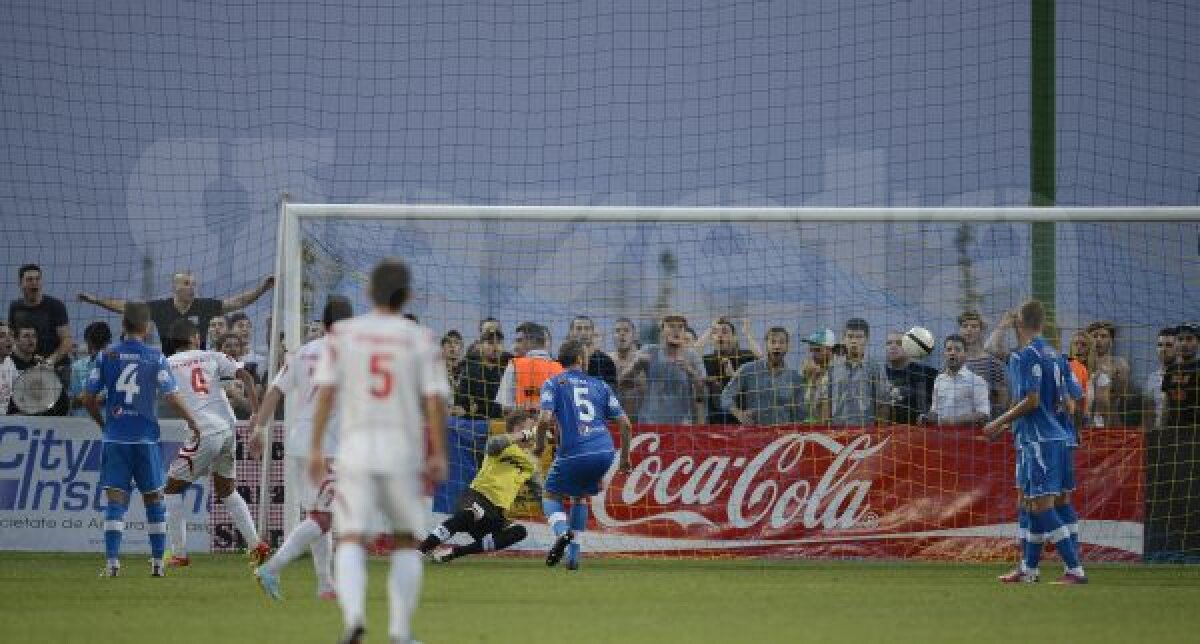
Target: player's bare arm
point(322, 409)
point(246, 298)
point(181, 408)
point(92, 404)
point(626, 437)
point(250, 387)
point(435, 428)
point(1028, 405)
point(545, 426)
point(258, 422)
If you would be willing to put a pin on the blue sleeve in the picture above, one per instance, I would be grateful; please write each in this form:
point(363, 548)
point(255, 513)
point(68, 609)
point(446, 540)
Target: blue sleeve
point(1030, 374)
point(1074, 389)
point(93, 384)
point(547, 399)
point(166, 381)
point(614, 406)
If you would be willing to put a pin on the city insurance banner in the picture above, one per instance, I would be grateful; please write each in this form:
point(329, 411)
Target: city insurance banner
point(50, 498)
point(889, 492)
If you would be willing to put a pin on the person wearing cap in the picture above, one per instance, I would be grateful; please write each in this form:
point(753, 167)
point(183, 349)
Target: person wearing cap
point(858, 386)
point(815, 372)
point(674, 377)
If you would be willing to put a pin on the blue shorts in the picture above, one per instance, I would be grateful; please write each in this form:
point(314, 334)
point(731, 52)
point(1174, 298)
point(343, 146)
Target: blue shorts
point(579, 476)
point(124, 463)
point(1043, 468)
point(1068, 482)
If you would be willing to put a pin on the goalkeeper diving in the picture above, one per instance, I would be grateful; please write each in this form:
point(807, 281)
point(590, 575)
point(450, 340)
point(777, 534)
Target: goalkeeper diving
point(506, 467)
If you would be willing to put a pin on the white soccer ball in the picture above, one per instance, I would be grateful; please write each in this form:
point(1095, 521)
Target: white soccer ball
point(917, 342)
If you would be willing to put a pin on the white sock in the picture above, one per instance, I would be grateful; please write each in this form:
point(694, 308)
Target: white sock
point(322, 548)
point(306, 532)
point(404, 589)
point(176, 525)
point(240, 512)
point(351, 579)
point(1077, 571)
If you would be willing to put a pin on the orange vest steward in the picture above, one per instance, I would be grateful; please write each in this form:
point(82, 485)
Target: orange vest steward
point(530, 374)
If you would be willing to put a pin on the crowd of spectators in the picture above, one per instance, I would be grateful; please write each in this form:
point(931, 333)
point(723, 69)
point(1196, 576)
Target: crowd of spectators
point(723, 376)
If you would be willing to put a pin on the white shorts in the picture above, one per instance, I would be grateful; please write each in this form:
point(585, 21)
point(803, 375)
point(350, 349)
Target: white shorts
point(214, 454)
point(363, 496)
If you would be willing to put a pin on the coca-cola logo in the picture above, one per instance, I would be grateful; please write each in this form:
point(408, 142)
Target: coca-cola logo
point(766, 491)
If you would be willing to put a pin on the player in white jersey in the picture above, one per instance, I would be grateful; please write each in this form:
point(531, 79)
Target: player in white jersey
point(296, 379)
point(199, 374)
point(391, 388)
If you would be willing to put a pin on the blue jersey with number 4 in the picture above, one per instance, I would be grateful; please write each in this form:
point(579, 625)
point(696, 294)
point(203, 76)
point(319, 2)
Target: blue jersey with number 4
point(1035, 368)
point(582, 405)
point(131, 375)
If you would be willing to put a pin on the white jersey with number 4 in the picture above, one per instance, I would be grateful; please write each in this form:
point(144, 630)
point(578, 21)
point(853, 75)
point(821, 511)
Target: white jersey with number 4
point(199, 374)
point(383, 366)
point(295, 381)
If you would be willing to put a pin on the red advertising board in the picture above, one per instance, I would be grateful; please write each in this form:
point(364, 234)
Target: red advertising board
point(890, 492)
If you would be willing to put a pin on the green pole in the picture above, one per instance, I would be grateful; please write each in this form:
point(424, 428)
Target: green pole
point(1042, 159)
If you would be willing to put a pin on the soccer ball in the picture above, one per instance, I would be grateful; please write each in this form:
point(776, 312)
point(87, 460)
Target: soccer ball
point(917, 342)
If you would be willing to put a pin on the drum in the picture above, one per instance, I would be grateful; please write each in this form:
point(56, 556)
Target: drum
point(37, 389)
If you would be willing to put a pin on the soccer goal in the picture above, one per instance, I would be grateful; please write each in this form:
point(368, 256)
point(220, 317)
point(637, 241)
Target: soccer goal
point(828, 447)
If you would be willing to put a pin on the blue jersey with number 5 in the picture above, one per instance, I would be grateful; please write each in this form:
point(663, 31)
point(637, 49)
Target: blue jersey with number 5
point(131, 375)
point(582, 405)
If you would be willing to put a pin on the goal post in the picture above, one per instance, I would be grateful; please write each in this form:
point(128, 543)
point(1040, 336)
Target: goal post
point(818, 488)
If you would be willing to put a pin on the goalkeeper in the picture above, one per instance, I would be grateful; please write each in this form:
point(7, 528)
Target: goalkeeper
point(506, 467)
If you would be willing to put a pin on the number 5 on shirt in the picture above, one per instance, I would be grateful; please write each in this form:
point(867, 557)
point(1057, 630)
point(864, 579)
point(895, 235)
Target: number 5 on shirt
point(381, 375)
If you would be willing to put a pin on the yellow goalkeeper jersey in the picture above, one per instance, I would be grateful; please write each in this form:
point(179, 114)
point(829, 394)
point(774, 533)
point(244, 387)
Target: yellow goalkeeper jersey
point(501, 476)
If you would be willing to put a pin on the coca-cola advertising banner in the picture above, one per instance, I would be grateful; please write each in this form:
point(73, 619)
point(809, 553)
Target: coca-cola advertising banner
point(901, 491)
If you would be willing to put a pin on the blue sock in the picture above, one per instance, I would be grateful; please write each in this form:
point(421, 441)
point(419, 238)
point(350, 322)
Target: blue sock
point(114, 527)
point(156, 528)
point(1022, 531)
point(556, 516)
point(579, 516)
point(1055, 532)
point(1071, 520)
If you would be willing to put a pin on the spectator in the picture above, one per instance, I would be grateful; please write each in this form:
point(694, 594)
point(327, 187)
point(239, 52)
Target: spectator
point(452, 355)
point(252, 361)
point(217, 327)
point(1186, 342)
point(46, 315)
point(984, 364)
point(1155, 400)
point(857, 387)
point(674, 377)
point(1079, 356)
point(8, 371)
point(97, 335)
point(629, 390)
point(231, 345)
point(6, 340)
point(910, 384)
point(1173, 461)
point(815, 372)
point(25, 356)
point(767, 391)
point(960, 396)
point(183, 304)
point(313, 330)
point(479, 380)
point(720, 365)
point(488, 325)
point(599, 365)
point(1109, 372)
point(520, 386)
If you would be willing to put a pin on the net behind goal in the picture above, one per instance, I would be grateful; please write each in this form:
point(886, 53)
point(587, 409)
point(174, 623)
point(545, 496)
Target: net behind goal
point(777, 461)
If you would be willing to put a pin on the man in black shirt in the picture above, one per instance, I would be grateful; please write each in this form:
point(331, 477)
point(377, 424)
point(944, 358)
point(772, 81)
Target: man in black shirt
point(1173, 464)
point(25, 356)
point(720, 365)
point(910, 383)
point(599, 365)
point(475, 395)
point(47, 315)
point(183, 304)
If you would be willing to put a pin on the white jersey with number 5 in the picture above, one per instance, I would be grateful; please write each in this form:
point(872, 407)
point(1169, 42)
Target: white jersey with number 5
point(382, 366)
point(295, 381)
point(199, 375)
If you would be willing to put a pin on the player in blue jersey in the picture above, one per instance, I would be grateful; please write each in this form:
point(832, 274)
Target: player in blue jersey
point(130, 376)
point(1036, 382)
point(582, 407)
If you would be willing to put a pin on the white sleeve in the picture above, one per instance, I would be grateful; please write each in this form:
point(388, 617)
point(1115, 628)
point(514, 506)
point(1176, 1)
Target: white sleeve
point(506, 395)
point(285, 381)
point(433, 371)
point(226, 368)
point(327, 368)
point(939, 392)
point(979, 389)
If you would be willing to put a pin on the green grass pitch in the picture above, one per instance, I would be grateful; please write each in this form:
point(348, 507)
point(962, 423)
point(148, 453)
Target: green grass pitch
point(59, 598)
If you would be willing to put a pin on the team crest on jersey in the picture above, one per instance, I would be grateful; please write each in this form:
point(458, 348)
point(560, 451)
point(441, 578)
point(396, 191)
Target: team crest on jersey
point(117, 412)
